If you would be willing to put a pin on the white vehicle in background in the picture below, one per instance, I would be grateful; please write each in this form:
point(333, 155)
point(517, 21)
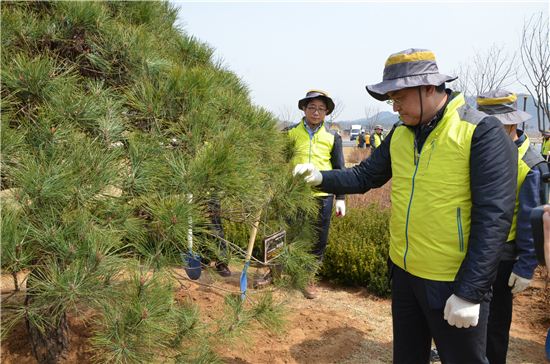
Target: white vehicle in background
point(354, 132)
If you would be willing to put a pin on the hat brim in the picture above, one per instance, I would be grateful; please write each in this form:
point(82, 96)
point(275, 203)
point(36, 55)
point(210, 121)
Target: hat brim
point(380, 90)
point(514, 117)
point(330, 104)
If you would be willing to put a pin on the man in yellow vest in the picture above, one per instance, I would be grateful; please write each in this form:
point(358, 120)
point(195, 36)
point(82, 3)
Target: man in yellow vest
point(518, 261)
point(321, 147)
point(453, 172)
point(377, 137)
point(545, 147)
point(546, 242)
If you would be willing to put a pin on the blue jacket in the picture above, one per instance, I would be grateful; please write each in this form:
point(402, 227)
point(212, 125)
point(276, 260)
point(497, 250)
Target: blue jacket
point(531, 195)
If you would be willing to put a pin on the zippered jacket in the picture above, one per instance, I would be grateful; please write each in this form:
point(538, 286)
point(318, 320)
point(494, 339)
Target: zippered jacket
point(530, 194)
point(453, 195)
point(323, 149)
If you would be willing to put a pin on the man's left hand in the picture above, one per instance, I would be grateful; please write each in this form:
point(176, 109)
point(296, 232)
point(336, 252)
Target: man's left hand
point(340, 208)
point(461, 313)
point(518, 283)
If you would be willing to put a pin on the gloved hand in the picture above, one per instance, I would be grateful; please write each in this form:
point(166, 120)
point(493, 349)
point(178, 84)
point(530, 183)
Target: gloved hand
point(461, 313)
point(518, 283)
point(341, 208)
point(311, 175)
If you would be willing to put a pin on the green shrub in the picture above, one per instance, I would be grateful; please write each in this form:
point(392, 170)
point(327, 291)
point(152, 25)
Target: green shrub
point(357, 251)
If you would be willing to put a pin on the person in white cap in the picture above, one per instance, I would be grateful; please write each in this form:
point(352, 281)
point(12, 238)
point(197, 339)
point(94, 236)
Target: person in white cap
point(518, 261)
point(321, 147)
point(377, 137)
point(453, 172)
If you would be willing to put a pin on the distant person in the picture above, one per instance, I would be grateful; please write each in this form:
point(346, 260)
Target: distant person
point(453, 171)
point(546, 223)
point(518, 260)
point(367, 140)
point(361, 140)
point(545, 147)
point(546, 247)
point(321, 147)
point(377, 137)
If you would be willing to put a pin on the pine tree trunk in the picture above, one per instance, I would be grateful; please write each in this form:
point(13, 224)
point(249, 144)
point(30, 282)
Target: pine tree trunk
point(51, 346)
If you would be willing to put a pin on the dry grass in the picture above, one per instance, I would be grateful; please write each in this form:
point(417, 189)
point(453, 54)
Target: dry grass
point(381, 196)
point(355, 155)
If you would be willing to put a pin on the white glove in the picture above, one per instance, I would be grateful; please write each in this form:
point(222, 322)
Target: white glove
point(518, 283)
point(311, 174)
point(461, 313)
point(340, 208)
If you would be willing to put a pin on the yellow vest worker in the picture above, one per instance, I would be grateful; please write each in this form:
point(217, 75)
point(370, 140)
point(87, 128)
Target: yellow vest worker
point(377, 137)
point(320, 148)
point(452, 208)
point(518, 260)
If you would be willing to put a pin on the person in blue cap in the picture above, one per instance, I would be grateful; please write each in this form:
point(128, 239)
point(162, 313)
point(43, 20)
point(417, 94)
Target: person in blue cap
point(453, 172)
point(518, 260)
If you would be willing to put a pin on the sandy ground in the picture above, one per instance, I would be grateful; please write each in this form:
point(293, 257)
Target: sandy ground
point(348, 325)
point(344, 325)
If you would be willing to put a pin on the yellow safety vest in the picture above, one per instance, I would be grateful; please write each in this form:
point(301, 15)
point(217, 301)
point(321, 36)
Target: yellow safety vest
point(316, 150)
point(431, 197)
point(545, 147)
point(523, 170)
point(378, 140)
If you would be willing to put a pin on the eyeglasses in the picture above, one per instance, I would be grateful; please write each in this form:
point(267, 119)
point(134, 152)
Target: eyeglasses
point(312, 109)
point(396, 101)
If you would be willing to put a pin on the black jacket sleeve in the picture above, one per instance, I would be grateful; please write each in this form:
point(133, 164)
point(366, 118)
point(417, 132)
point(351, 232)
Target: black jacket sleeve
point(337, 158)
point(493, 180)
point(372, 172)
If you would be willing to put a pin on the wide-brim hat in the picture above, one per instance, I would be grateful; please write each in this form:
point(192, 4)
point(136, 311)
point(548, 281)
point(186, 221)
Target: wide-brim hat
point(317, 94)
point(409, 68)
point(502, 105)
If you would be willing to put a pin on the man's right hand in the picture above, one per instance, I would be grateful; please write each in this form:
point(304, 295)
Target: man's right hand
point(311, 175)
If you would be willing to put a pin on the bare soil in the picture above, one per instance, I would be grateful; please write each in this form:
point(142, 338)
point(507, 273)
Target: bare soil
point(343, 325)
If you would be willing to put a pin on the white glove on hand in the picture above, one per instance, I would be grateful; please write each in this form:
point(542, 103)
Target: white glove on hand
point(340, 208)
point(461, 313)
point(518, 283)
point(311, 175)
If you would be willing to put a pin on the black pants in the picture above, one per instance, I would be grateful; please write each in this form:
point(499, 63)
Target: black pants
point(322, 225)
point(417, 314)
point(214, 211)
point(500, 315)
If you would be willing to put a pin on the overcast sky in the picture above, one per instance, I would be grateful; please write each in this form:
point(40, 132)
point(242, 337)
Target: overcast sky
point(280, 50)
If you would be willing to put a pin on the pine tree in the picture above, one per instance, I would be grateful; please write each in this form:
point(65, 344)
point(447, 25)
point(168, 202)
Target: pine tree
point(110, 117)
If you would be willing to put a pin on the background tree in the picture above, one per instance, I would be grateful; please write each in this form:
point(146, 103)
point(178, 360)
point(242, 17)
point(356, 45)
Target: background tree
point(338, 108)
point(372, 115)
point(289, 115)
point(110, 117)
point(489, 70)
point(535, 58)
